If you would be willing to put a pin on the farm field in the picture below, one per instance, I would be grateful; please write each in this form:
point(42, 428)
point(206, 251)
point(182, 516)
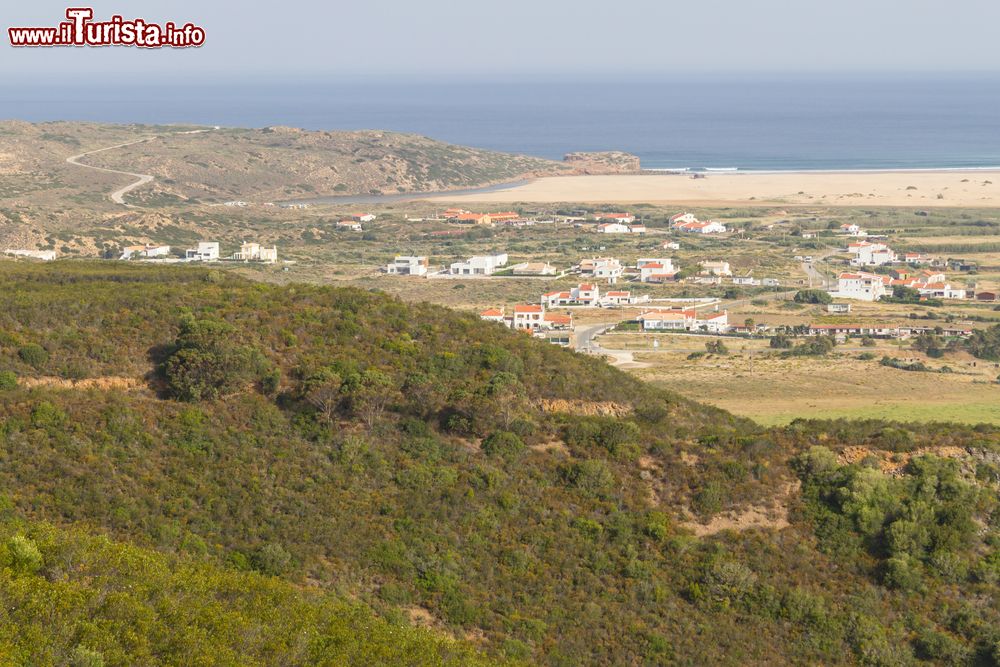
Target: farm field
point(754, 382)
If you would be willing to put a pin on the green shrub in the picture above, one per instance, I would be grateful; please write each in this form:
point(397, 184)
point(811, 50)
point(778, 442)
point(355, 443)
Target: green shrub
point(8, 381)
point(503, 444)
point(34, 355)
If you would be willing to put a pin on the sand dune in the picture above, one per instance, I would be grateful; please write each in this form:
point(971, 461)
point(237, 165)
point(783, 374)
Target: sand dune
point(918, 189)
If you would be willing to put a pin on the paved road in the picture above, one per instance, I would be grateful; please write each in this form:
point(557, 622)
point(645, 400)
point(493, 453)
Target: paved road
point(586, 344)
point(118, 196)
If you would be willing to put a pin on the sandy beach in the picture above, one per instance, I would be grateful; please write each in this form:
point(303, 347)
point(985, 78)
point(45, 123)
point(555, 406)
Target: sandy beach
point(971, 189)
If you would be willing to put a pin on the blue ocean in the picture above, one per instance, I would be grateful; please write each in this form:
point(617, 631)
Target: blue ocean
point(744, 122)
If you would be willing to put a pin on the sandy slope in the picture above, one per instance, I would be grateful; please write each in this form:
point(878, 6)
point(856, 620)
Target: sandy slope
point(919, 189)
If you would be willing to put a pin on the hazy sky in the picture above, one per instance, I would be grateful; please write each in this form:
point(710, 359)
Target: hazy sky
point(540, 39)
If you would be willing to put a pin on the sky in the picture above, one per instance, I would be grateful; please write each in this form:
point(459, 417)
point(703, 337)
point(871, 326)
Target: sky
point(522, 39)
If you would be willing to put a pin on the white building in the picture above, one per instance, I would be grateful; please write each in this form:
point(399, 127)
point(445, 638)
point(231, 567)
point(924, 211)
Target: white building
point(363, 217)
point(479, 265)
point(860, 286)
point(44, 255)
point(602, 268)
point(656, 271)
point(584, 294)
point(685, 320)
point(852, 230)
point(710, 227)
point(350, 226)
point(867, 253)
point(255, 252)
point(207, 251)
point(529, 317)
point(622, 218)
point(716, 268)
point(670, 245)
point(613, 228)
point(682, 218)
point(145, 251)
point(408, 265)
point(493, 315)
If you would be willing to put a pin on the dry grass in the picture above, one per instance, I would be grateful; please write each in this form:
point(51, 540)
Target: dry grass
point(772, 390)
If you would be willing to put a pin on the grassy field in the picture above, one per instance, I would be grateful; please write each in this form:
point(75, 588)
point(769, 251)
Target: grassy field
point(753, 382)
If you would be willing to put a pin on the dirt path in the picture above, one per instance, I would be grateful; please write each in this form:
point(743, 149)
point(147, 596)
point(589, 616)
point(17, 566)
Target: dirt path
point(105, 383)
point(118, 196)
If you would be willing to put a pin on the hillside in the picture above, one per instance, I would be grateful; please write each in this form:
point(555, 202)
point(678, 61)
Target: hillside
point(269, 164)
point(529, 500)
point(71, 598)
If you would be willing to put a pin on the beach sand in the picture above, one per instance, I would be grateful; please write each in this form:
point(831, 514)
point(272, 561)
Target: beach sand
point(921, 189)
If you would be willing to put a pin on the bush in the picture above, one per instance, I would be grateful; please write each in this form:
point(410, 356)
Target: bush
point(272, 559)
point(206, 364)
point(503, 444)
point(8, 381)
point(33, 355)
point(25, 558)
point(813, 296)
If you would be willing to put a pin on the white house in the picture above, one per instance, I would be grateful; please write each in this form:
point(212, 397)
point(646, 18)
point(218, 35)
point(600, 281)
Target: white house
point(493, 315)
point(670, 245)
point(207, 251)
point(621, 218)
point(851, 229)
point(529, 316)
point(771, 282)
point(745, 280)
point(710, 227)
point(44, 255)
point(657, 271)
point(941, 290)
point(408, 265)
point(584, 294)
point(602, 268)
point(613, 228)
point(622, 298)
point(685, 320)
point(479, 265)
point(145, 251)
point(363, 217)
point(860, 286)
point(681, 218)
point(867, 253)
point(254, 252)
point(350, 226)
point(716, 268)
point(664, 262)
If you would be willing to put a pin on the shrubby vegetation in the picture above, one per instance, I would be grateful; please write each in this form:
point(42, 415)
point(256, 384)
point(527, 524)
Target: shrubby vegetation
point(413, 458)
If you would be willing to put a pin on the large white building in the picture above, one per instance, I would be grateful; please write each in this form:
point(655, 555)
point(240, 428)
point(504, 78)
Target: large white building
point(255, 252)
point(867, 253)
point(480, 265)
point(860, 286)
point(148, 250)
point(685, 320)
point(408, 265)
point(602, 268)
point(656, 270)
point(716, 268)
point(207, 251)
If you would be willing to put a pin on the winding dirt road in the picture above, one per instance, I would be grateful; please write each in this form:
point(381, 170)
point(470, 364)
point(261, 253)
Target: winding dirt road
point(118, 196)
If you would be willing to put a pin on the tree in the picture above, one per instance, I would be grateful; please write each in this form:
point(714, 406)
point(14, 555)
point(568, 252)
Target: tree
point(716, 347)
point(780, 342)
point(503, 444)
point(813, 296)
point(505, 394)
point(34, 355)
point(369, 393)
point(206, 364)
point(323, 390)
